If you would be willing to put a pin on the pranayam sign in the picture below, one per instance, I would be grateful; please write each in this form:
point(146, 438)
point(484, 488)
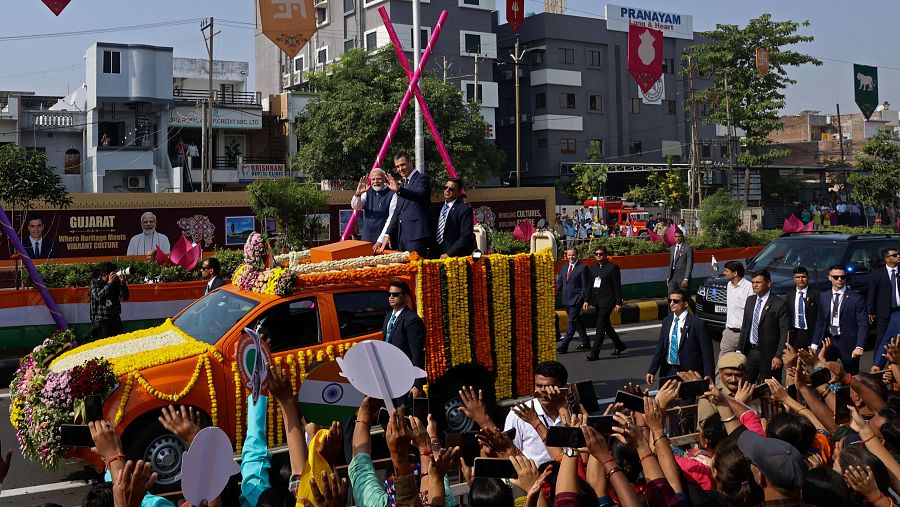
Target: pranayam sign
point(677, 26)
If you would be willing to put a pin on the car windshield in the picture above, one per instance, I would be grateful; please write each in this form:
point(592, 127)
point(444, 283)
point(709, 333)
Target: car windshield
point(208, 319)
point(782, 256)
point(640, 217)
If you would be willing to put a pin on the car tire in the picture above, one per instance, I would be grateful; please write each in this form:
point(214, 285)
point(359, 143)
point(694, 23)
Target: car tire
point(445, 404)
point(163, 450)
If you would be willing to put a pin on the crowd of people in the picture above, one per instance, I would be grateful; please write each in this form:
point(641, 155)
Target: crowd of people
point(847, 212)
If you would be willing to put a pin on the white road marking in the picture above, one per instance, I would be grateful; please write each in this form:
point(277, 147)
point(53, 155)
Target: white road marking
point(42, 488)
point(638, 328)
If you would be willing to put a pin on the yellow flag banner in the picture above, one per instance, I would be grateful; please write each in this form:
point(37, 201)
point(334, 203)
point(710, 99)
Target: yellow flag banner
point(288, 23)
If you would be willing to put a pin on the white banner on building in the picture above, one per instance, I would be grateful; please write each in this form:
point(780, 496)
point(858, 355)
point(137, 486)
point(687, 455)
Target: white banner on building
point(252, 172)
point(186, 116)
point(677, 26)
point(656, 94)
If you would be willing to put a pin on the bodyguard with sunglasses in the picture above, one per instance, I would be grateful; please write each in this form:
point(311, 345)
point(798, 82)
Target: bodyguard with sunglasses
point(605, 296)
point(453, 234)
point(683, 343)
point(404, 329)
point(843, 318)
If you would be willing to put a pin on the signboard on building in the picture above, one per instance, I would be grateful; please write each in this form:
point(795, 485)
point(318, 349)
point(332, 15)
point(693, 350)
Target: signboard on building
point(656, 94)
point(222, 118)
point(252, 172)
point(676, 26)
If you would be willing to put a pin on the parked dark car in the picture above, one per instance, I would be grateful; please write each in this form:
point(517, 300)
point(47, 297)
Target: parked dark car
point(859, 254)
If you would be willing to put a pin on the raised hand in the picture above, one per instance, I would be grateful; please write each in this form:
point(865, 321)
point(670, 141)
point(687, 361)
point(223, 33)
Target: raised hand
point(443, 460)
point(183, 422)
point(106, 442)
point(526, 472)
point(331, 445)
point(280, 386)
point(494, 440)
point(625, 432)
point(654, 416)
point(526, 412)
point(595, 443)
point(862, 481)
point(419, 433)
point(744, 392)
point(333, 492)
point(789, 356)
point(474, 407)
point(131, 483)
point(667, 393)
point(776, 389)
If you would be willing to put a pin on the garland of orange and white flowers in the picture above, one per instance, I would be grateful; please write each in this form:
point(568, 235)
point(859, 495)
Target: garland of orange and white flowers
point(292, 258)
point(369, 261)
point(546, 314)
point(120, 412)
point(279, 423)
point(503, 338)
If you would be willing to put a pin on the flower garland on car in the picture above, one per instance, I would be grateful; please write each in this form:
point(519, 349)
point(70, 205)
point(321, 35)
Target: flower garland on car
point(42, 400)
point(468, 307)
point(255, 251)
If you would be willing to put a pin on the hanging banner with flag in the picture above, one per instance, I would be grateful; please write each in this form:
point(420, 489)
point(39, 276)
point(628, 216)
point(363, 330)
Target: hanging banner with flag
point(645, 56)
point(762, 61)
point(288, 23)
point(56, 6)
point(515, 14)
point(865, 80)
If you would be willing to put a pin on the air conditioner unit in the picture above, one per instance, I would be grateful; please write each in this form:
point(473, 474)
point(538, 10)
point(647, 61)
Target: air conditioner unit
point(137, 182)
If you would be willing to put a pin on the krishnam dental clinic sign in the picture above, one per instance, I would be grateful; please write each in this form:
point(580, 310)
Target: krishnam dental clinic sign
point(222, 118)
point(677, 26)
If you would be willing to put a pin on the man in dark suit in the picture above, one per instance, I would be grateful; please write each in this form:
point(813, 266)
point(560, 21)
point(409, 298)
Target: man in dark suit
point(681, 263)
point(883, 301)
point(210, 269)
point(37, 246)
point(453, 225)
point(409, 221)
point(764, 330)
point(573, 282)
point(683, 344)
point(606, 296)
point(404, 329)
point(802, 308)
point(843, 318)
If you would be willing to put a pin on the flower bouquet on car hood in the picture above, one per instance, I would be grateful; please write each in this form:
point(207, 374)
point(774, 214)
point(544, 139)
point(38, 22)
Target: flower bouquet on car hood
point(42, 400)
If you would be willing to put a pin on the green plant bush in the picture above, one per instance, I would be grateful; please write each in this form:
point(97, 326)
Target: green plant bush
point(719, 219)
point(503, 243)
point(620, 246)
point(230, 260)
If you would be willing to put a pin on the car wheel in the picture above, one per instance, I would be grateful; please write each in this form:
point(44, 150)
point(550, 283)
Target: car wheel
point(163, 450)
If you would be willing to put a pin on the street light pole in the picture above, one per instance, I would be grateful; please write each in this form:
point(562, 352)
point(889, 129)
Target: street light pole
point(417, 49)
point(517, 58)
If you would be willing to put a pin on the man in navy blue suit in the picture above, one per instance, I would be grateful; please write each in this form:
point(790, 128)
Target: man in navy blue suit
point(573, 281)
point(404, 329)
point(683, 344)
point(409, 222)
point(843, 318)
point(453, 225)
point(884, 301)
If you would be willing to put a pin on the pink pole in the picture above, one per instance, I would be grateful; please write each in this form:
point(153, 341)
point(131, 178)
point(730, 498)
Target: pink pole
point(395, 124)
point(432, 127)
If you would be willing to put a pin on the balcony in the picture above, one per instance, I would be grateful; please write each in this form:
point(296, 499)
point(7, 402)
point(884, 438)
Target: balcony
point(59, 121)
point(112, 158)
point(188, 95)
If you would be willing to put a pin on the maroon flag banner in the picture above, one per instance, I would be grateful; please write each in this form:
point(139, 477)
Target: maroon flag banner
point(515, 13)
point(56, 6)
point(645, 55)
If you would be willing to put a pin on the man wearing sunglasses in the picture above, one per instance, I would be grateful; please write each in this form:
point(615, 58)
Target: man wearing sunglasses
point(404, 329)
point(453, 225)
point(884, 301)
point(683, 344)
point(605, 296)
point(843, 318)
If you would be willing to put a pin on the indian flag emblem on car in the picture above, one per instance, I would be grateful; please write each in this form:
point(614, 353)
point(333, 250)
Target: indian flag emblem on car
point(326, 396)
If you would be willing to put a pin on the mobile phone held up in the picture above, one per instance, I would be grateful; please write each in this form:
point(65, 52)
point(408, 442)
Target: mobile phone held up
point(494, 468)
point(630, 401)
point(564, 436)
point(75, 435)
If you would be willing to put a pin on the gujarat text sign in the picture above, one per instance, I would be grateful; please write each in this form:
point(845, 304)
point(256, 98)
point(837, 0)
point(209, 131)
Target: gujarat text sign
point(678, 26)
point(222, 118)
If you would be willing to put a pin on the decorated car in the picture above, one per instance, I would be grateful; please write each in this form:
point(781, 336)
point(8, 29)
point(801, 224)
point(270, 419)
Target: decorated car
point(494, 310)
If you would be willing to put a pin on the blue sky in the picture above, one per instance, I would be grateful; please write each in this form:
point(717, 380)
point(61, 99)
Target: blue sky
point(844, 32)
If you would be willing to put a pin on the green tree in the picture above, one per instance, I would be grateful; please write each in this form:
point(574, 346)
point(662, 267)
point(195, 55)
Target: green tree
point(719, 218)
point(25, 180)
point(668, 187)
point(752, 103)
point(588, 178)
point(877, 178)
point(292, 205)
point(340, 132)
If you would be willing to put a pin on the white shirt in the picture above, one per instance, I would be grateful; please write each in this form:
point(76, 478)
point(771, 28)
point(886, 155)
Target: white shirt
point(681, 321)
point(836, 320)
point(735, 298)
point(391, 206)
point(895, 294)
point(193, 151)
point(527, 438)
point(801, 293)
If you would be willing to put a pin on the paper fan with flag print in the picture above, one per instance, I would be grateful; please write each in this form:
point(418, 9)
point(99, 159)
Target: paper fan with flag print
point(326, 396)
point(251, 355)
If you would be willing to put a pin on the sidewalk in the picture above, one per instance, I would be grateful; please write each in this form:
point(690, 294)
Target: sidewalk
point(632, 313)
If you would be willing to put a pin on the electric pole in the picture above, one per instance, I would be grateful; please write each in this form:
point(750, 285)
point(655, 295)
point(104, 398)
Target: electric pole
point(517, 59)
point(207, 158)
point(446, 67)
point(840, 132)
point(695, 141)
point(417, 49)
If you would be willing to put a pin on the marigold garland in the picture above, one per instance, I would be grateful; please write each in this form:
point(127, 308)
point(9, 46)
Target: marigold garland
point(279, 427)
point(171, 398)
point(213, 401)
point(238, 400)
point(523, 344)
point(123, 401)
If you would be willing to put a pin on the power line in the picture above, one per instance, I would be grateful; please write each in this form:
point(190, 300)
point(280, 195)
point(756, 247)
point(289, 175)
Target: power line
point(161, 24)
